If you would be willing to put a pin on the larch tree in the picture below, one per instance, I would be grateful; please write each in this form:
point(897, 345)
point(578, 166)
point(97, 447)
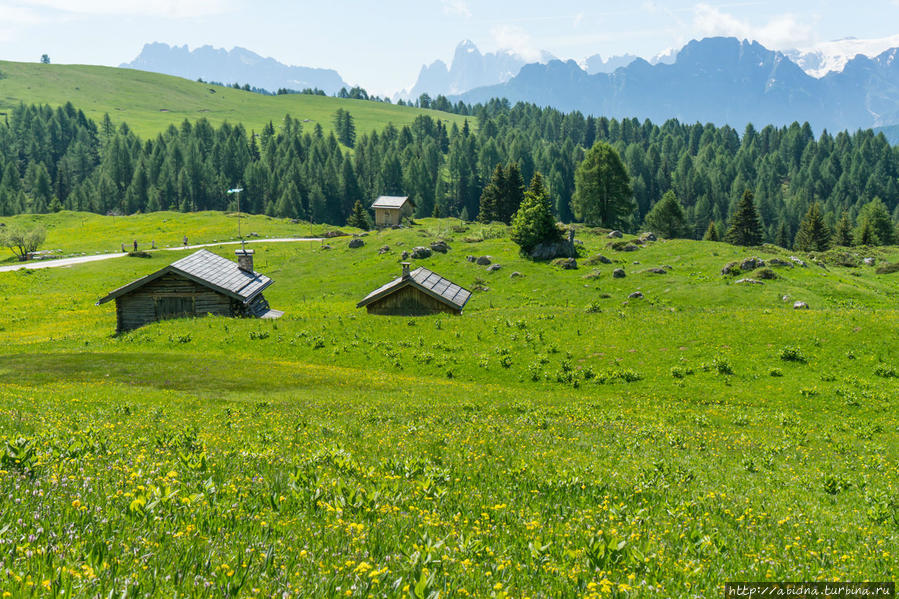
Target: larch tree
point(667, 217)
point(603, 195)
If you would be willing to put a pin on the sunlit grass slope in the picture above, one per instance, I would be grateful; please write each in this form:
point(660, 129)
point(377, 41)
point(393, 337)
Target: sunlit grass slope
point(557, 439)
point(150, 102)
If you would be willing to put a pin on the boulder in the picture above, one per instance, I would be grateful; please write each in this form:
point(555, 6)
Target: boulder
point(869, 261)
point(404, 255)
point(494, 267)
point(615, 234)
point(752, 263)
point(549, 251)
point(384, 249)
point(566, 263)
point(731, 268)
point(648, 236)
point(440, 246)
point(483, 260)
point(421, 252)
point(355, 242)
point(657, 271)
point(785, 298)
point(800, 306)
point(779, 262)
point(325, 247)
point(766, 274)
point(618, 273)
point(636, 295)
point(602, 259)
point(798, 262)
point(516, 275)
point(748, 282)
point(470, 258)
point(629, 248)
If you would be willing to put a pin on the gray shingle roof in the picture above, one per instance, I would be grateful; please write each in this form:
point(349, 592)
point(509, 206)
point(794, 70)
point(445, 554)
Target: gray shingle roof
point(207, 269)
point(390, 202)
point(429, 282)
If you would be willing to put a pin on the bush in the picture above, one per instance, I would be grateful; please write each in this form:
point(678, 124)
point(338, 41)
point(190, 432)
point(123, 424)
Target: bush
point(887, 269)
point(792, 354)
point(886, 371)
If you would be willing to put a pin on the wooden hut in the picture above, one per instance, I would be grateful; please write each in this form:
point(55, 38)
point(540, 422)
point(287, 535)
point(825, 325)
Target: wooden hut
point(416, 293)
point(391, 210)
point(202, 283)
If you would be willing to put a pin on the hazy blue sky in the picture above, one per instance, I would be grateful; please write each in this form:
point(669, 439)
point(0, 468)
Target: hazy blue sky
point(383, 45)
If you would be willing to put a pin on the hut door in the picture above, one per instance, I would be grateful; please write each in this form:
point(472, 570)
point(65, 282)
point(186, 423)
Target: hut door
point(174, 307)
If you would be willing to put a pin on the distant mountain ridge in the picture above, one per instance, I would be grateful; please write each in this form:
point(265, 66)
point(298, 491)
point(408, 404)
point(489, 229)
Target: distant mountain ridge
point(237, 65)
point(468, 70)
point(718, 80)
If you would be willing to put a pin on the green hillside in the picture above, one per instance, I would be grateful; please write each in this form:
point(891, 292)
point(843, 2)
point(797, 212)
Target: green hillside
point(150, 102)
point(557, 439)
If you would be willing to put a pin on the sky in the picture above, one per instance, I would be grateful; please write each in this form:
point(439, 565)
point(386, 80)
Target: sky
point(383, 45)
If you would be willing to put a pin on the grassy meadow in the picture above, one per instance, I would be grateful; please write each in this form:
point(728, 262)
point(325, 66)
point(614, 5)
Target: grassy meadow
point(558, 439)
point(150, 102)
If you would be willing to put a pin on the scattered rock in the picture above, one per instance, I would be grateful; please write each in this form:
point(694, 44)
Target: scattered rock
point(648, 236)
point(356, 243)
point(481, 288)
point(731, 268)
point(516, 275)
point(566, 263)
point(748, 282)
point(470, 258)
point(629, 248)
point(869, 261)
point(399, 243)
point(636, 295)
point(494, 267)
point(598, 259)
point(384, 249)
point(667, 267)
point(615, 234)
point(440, 246)
point(752, 263)
point(800, 306)
point(483, 260)
point(405, 255)
point(779, 262)
point(325, 247)
point(420, 252)
point(798, 262)
point(785, 298)
point(618, 273)
point(657, 271)
point(331, 234)
point(548, 251)
point(766, 274)
point(592, 275)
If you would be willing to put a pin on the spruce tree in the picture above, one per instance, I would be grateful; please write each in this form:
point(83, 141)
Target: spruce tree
point(358, 218)
point(534, 222)
point(813, 234)
point(866, 235)
point(667, 217)
point(877, 215)
point(512, 194)
point(745, 228)
point(711, 234)
point(782, 239)
point(490, 197)
point(842, 235)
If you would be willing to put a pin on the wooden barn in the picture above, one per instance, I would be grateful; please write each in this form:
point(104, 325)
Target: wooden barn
point(200, 284)
point(416, 293)
point(391, 210)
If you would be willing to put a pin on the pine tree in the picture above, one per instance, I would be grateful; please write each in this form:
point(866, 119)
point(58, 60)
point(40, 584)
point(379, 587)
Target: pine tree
point(813, 234)
point(711, 234)
point(358, 218)
point(512, 194)
point(782, 239)
point(842, 235)
point(667, 217)
point(490, 197)
point(745, 228)
point(533, 223)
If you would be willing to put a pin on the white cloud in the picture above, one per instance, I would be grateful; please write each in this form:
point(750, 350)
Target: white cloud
point(458, 8)
point(580, 19)
point(173, 9)
point(784, 31)
point(516, 39)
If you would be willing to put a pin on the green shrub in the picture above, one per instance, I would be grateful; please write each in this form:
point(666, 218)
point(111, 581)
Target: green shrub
point(792, 354)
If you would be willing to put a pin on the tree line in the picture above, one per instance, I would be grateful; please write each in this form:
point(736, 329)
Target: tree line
point(56, 158)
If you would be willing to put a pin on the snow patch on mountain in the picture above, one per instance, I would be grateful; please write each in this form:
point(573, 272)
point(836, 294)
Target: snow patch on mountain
point(828, 57)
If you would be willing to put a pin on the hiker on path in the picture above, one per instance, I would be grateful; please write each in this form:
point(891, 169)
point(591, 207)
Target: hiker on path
point(185, 241)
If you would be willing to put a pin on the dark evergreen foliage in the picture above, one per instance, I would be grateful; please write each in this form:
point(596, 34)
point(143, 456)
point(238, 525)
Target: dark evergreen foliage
point(603, 195)
point(533, 223)
point(667, 218)
point(745, 228)
point(711, 234)
point(842, 235)
point(813, 234)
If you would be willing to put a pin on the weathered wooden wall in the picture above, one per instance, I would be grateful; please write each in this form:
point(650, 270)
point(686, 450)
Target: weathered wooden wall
point(139, 307)
point(409, 301)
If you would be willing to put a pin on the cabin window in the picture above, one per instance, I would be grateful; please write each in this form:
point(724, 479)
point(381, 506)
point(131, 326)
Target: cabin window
point(174, 307)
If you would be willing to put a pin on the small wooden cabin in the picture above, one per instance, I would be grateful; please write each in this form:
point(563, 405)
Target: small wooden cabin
point(416, 293)
point(200, 284)
point(391, 210)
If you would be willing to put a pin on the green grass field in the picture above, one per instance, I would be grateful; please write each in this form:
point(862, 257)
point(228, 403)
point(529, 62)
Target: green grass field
point(557, 439)
point(150, 102)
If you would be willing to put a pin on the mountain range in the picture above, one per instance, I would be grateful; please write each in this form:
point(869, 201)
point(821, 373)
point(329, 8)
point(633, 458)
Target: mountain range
point(718, 80)
point(237, 65)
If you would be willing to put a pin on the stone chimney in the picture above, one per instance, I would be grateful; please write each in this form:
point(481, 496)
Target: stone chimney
point(245, 260)
point(405, 270)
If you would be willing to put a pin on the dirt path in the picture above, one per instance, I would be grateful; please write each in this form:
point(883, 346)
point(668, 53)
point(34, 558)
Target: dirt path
point(95, 258)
